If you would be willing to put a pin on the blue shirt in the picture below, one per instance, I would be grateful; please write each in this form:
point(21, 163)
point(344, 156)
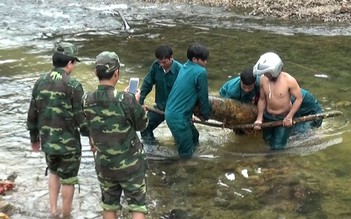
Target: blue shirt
point(232, 89)
point(309, 106)
point(190, 89)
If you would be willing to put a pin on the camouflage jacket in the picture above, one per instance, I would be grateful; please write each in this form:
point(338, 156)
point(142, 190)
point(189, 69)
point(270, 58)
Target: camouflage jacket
point(113, 118)
point(55, 115)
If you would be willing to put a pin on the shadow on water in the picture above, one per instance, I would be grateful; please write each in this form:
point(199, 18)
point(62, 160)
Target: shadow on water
point(230, 176)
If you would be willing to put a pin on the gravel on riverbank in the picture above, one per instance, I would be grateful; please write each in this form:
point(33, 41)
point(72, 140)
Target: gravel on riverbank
point(318, 10)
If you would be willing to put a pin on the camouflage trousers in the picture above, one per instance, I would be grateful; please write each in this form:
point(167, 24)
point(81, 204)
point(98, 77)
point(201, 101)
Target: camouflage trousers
point(117, 178)
point(65, 166)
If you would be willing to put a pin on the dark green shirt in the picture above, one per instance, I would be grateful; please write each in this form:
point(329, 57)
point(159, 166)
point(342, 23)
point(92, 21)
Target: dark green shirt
point(163, 83)
point(55, 115)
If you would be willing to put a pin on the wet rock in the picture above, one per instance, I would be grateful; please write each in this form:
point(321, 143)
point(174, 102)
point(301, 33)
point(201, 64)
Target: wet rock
point(343, 104)
point(12, 176)
point(166, 180)
point(4, 216)
point(322, 10)
point(176, 214)
point(299, 193)
point(7, 208)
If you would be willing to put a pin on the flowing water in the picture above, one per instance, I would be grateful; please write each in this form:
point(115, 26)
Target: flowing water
point(230, 176)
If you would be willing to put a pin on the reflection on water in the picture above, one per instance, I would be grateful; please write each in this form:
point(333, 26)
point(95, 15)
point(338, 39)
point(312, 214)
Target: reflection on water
point(230, 176)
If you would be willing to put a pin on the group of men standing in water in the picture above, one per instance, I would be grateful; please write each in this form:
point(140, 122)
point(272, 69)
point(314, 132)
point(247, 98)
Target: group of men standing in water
point(60, 112)
point(277, 95)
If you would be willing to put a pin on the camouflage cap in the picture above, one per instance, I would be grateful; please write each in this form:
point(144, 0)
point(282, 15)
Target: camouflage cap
point(108, 59)
point(67, 49)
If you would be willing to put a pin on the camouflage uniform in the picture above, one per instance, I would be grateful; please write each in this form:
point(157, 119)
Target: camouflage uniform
point(56, 119)
point(113, 118)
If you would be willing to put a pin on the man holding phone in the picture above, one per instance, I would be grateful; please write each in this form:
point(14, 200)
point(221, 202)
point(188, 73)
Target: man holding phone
point(163, 73)
point(113, 118)
point(133, 85)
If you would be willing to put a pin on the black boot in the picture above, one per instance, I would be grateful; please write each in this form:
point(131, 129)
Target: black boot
point(147, 135)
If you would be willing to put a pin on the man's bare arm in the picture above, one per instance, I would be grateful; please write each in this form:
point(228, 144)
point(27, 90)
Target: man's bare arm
point(261, 106)
point(295, 91)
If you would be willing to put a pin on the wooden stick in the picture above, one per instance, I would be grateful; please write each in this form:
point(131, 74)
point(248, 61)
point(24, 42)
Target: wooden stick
point(151, 109)
point(295, 120)
point(265, 124)
point(218, 125)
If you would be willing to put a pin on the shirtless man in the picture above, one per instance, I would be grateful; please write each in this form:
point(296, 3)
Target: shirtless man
point(276, 89)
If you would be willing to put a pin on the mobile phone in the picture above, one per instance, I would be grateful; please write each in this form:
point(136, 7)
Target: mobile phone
point(133, 85)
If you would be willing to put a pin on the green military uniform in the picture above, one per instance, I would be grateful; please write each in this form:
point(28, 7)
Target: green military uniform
point(113, 118)
point(309, 106)
point(190, 89)
point(56, 119)
point(232, 89)
point(163, 84)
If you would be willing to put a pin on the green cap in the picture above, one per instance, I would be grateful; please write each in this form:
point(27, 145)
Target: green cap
point(67, 49)
point(108, 59)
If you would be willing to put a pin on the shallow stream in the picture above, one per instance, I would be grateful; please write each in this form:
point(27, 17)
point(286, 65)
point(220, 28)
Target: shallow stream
point(230, 176)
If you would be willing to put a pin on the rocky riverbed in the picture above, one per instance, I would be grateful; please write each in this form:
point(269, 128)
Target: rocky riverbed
point(317, 10)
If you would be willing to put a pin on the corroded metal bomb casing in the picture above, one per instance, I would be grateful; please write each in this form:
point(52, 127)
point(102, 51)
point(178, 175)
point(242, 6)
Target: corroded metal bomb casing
point(230, 112)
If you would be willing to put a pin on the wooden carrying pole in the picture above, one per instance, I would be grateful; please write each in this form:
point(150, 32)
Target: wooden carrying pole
point(263, 125)
point(219, 125)
point(295, 120)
